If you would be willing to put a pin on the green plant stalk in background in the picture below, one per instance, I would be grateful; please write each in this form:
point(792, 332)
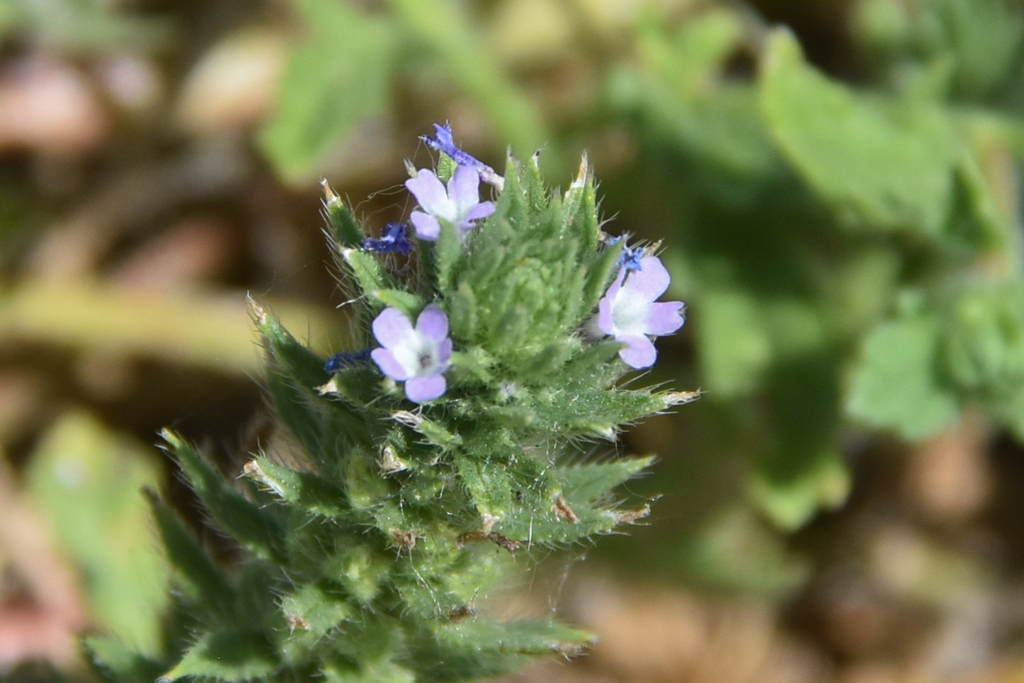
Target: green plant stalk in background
point(382, 514)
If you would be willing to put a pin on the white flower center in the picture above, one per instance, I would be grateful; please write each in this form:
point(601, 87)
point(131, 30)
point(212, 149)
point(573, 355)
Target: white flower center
point(448, 210)
point(629, 312)
point(418, 354)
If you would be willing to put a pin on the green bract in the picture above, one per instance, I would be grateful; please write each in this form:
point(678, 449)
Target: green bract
point(374, 527)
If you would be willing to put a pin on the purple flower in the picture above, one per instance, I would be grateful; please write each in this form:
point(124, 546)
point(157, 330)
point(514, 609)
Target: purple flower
point(458, 204)
point(391, 239)
point(417, 356)
point(443, 142)
point(344, 359)
point(629, 258)
point(630, 313)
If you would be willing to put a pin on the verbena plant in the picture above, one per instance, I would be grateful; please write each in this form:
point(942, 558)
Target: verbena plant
point(417, 469)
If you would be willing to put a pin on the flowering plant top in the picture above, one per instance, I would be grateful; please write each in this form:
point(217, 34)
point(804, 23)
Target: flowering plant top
point(513, 320)
point(448, 442)
point(571, 285)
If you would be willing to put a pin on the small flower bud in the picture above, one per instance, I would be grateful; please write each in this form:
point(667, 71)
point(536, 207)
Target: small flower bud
point(331, 198)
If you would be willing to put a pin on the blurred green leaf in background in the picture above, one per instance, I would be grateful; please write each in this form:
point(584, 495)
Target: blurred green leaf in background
point(339, 76)
point(89, 481)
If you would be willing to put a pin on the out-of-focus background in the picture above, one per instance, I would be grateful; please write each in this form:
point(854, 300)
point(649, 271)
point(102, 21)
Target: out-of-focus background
point(835, 184)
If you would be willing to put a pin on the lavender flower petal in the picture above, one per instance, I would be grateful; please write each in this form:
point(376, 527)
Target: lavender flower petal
point(664, 318)
point(604, 307)
point(639, 351)
point(431, 194)
point(427, 227)
point(389, 365)
point(478, 212)
point(422, 389)
point(651, 280)
point(444, 352)
point(464, 187)
point(392, 328)
point(433, 323)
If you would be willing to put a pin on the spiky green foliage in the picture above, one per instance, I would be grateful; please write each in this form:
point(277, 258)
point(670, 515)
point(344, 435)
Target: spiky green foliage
point(374, 526)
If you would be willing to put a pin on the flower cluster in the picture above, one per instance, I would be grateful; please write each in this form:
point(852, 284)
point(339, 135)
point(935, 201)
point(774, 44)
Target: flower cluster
point(419, 354)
